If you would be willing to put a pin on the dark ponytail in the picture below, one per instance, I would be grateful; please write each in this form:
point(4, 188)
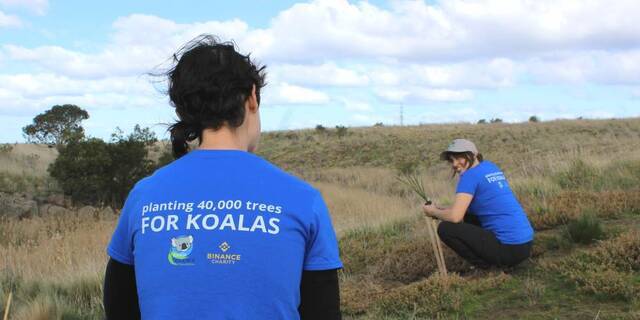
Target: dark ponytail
point(181, 134)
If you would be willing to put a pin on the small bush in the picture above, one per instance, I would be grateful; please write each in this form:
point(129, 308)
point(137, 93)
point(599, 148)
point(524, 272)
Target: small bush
point(341, 131)
point(321, 129)
point(6, 148)
point(424, 299)
point(534, 119)
point(496, 120)
point(586, 229)
point(482, 121)
point(578, 176)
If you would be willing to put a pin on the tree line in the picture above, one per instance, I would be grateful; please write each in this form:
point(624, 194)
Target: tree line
point(91, 170)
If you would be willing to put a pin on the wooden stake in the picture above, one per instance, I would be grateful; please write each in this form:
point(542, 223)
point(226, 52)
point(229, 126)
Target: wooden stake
point(6, 309)
point(440, 252)
point(433, 239)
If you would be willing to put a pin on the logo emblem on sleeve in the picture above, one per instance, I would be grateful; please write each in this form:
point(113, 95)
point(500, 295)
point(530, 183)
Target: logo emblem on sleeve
point(181, 248)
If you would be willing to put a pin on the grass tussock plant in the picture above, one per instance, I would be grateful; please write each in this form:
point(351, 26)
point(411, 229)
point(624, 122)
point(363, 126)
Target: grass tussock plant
point(434, 297)
point(616, 175)
point(80, 298)
point(398, 252)
point(358, 295)
point(580, 175)
point(610, 270)
point(429, 298)
point(586, 229)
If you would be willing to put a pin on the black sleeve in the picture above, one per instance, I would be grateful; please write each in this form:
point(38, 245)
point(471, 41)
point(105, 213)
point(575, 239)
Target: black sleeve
point(320, 295)
point(120, 295)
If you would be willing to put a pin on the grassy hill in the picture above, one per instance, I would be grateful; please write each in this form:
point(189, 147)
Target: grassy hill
point(577, 180)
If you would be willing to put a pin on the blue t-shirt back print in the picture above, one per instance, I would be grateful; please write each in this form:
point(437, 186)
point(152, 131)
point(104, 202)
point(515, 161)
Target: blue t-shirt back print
point(494, 203)
point(223, 234)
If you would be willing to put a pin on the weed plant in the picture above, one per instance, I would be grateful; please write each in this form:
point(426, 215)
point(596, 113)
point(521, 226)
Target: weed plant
point(586, 229)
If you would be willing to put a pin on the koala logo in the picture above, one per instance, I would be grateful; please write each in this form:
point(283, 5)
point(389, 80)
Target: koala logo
point(180, 250)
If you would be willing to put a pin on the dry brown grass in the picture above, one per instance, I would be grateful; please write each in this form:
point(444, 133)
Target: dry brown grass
point(27, 159)
point(568, 205)
point(352, 208)
point(56, 248)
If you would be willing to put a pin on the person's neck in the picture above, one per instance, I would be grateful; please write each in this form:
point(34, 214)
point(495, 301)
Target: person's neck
point(223, 139)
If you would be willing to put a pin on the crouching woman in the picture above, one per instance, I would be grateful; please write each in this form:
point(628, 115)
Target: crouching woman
point(486, 224)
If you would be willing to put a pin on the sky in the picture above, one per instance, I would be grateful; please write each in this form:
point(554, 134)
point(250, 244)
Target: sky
point(329, 62)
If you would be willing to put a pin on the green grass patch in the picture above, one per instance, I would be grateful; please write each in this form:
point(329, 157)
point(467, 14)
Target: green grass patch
point(610, 271)
point(586, 229)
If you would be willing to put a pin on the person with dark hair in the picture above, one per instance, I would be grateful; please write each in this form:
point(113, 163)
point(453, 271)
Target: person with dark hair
point(221, 233)
point(486, 224)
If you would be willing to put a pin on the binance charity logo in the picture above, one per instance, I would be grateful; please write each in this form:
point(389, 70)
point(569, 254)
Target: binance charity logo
point(181, 248)
point(224, 257)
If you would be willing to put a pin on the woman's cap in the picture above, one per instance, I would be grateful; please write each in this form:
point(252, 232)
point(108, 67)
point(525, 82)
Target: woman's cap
point(459, 145)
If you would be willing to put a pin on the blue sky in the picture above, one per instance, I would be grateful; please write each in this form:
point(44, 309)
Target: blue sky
point(330, 62)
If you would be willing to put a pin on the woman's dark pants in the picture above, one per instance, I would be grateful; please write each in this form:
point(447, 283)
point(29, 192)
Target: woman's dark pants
point(479, 246)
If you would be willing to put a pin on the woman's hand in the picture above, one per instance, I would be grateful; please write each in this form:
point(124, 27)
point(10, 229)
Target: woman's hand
point(429, 210)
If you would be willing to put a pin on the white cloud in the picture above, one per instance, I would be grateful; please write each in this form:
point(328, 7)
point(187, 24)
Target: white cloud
point(419, 95)
point(453, 29)
point(356, 105)
point(47, 84)
point(130, 52)
point(493, 73)
point(592, 66)
point(28, 93)
point(7, 21)
point(38, 7)
point(291, 94)
point(327, 74)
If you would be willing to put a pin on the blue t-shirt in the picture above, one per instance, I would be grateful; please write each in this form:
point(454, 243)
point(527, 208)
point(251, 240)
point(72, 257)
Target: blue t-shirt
point(223, 234)
point(494, 203)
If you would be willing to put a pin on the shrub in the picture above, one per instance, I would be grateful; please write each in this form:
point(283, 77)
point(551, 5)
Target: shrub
point(496, 120)
point(424, 299)
point(482, 121)
point(341, 131)
point(378, 124)
point(96, 172)
point(579, 175)
point(82, 170)
point(321, 129)
point(6, 148)
point(585, 229)
point(534, 119)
